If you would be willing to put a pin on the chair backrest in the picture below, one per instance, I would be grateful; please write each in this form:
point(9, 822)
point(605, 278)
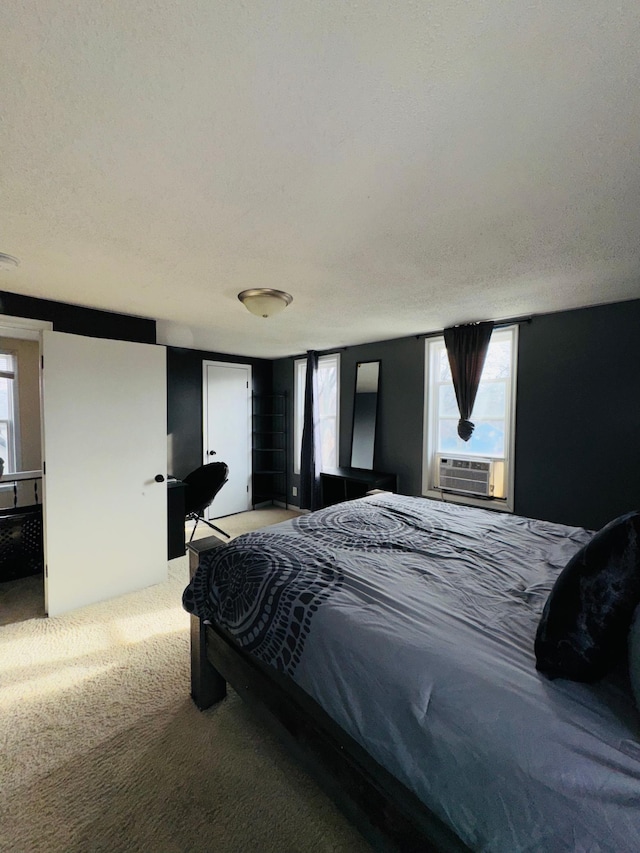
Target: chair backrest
point(203, 485)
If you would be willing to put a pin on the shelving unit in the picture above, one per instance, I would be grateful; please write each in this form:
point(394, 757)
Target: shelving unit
point(270, 446)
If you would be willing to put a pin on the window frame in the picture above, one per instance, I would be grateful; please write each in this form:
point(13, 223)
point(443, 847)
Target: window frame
point(12, 464)
point(431, 454)
point(299, 387)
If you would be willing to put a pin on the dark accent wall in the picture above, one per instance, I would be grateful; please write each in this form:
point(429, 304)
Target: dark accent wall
point(185, 405)
point(77, 320)
point(400, 407)
point(398, 448)
point(577, 417)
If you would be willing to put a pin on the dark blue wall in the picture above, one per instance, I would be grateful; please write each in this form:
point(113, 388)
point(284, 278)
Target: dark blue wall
point(184, 402)
point(77, 320)
point(577, 418)
point(578, 415)
point(400, 407)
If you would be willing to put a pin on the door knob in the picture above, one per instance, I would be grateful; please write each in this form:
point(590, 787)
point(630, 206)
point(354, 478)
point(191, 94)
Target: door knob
point(212, 453)
point(159, 478)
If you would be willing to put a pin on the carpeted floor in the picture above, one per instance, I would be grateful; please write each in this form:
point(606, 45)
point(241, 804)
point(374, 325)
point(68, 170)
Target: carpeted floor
point(101, 748)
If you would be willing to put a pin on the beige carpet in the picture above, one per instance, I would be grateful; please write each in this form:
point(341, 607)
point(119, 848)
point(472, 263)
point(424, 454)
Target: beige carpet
point(101, 748)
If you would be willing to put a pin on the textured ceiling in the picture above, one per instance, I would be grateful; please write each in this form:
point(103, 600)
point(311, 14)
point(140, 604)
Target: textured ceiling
point(397, 167)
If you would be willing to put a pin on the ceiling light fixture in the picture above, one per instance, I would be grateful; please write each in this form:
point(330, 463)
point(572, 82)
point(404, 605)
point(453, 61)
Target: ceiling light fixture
point(265, 302)
point(8, 262)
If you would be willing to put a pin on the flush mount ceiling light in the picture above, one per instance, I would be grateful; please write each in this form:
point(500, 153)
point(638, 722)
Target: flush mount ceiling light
point(8, 262)
point(265, 302)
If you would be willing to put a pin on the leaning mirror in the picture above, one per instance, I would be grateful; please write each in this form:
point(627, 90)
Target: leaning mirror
point(365, 411)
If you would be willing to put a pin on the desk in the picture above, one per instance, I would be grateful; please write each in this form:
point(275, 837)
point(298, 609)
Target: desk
point(175, 518)
point(345, 484)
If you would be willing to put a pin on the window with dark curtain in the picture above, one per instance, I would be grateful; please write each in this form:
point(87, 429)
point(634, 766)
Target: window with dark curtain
point(467, 350)
point(309, 469)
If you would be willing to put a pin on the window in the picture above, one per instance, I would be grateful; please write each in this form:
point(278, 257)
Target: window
point(8, 411)
point(493, 416)
point(328, 396)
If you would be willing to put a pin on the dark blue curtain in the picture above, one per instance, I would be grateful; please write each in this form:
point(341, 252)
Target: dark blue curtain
point(467, 350)
point(309, 460)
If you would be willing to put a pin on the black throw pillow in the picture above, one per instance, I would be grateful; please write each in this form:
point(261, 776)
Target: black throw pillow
point(585, 622)
point(634, 656)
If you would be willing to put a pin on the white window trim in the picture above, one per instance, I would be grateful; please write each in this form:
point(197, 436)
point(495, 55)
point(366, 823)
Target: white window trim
point(23, 328)
point(301, 364)
point(500, 504)
point(13, 422)
point(335, 357)
point(28, 329)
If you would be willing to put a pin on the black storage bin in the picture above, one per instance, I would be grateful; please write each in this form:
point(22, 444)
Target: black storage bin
point(21, 545)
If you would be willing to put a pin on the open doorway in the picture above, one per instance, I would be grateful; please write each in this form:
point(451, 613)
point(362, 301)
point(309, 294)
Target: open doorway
point(21, 547)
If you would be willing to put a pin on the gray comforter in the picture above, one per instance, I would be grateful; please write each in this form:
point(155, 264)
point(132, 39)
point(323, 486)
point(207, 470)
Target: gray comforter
point(412, 623)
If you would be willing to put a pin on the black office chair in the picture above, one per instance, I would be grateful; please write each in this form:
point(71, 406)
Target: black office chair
point(203, 485)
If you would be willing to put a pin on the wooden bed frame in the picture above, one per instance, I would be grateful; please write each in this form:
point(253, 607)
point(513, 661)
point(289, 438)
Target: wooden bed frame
point(387, 813)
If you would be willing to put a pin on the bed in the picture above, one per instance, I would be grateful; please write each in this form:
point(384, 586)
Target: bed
point(393, 638)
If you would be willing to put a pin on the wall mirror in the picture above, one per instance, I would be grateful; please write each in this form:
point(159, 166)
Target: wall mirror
point(365, 411)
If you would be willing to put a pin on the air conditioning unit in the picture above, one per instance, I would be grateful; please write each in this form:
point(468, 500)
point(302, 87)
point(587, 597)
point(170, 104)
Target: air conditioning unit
point(466, 476)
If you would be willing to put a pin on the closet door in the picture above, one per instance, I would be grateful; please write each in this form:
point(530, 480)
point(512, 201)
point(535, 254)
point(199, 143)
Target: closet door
point(104, 414)
point(227, 432)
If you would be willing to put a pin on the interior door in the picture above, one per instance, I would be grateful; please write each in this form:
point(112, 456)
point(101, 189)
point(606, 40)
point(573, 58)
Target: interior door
point(227, 432)
point(104, 412)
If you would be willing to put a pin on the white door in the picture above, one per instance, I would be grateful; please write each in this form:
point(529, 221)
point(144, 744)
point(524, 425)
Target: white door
point(227, 432)
point(104, 411)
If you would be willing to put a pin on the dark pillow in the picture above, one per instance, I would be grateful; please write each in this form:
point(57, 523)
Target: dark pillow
point(585, 622)
point(634, 655)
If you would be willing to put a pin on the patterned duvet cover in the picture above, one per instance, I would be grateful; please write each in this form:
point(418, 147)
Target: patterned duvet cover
point(411, 622)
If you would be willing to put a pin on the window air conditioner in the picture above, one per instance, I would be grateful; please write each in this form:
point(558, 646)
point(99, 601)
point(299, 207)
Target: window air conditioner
point(466, 476)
